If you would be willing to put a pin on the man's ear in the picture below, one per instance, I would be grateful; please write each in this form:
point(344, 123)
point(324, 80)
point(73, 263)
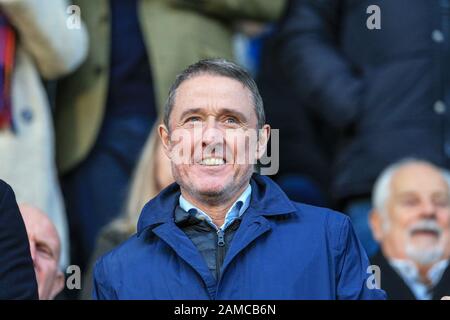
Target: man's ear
point(165, 139)
point(263, 138)
point(58, 285)
point(376, 224)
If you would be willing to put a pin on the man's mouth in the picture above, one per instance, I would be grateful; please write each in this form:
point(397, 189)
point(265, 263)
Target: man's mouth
point(426, 228)
point(425, 232)
point(212, 162)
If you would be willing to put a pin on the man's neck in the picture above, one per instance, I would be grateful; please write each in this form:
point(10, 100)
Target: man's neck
point(424, 273)
point(216, 209)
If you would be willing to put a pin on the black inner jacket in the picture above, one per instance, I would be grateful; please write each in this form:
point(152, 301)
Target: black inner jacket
point(213, 244)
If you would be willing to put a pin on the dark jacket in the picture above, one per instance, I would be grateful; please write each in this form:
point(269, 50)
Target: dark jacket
point(213, 244)
point(396, 289)
point(202, 234)
point(304, 141)
point(386, 90)
point(281, 250)
point(17, 277)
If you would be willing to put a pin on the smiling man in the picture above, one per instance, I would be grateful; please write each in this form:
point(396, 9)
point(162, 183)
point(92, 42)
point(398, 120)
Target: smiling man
point(411, 221)
point(222, 231)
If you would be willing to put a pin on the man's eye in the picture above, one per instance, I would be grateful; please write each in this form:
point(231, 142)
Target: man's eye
point(44, 251)
point(193, 119)
point(442, 202)
point(410, 202)
point(231, 120)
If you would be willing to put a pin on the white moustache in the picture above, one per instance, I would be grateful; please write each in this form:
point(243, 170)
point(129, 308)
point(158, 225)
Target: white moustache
point(426, 226)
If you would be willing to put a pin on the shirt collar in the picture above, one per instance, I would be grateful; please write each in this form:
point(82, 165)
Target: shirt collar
point(409, 272)
point(267, 199)
point(236, 211)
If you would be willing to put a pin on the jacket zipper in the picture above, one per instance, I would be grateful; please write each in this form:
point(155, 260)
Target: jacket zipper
point(220, 252)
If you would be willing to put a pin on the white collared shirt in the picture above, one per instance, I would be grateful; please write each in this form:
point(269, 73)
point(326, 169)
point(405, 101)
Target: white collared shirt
point(410, 274)
point(236, 210)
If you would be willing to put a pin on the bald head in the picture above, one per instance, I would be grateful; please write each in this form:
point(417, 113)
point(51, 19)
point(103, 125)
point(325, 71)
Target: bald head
point(45, 250)
point(421, 178)
point(406, 172)
point(40, 226)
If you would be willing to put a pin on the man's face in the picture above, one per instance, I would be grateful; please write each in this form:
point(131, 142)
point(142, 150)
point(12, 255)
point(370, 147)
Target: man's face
point(418, 216)
point(209, 123)
point(45, 250)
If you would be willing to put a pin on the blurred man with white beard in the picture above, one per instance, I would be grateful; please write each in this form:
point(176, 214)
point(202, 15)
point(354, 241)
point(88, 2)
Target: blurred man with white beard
point(411, 221)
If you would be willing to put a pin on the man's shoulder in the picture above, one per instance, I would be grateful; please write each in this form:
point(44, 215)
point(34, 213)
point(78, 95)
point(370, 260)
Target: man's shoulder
point(314, 214)
point(323, 222)
point(4, 188)
point(7, 198)
point(121, 252)
point(108, 266)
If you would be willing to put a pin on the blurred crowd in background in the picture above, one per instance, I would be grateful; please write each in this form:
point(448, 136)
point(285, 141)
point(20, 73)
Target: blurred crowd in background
point(362, 113)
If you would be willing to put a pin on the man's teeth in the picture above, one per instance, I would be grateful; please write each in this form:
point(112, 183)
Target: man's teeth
point(212, 162)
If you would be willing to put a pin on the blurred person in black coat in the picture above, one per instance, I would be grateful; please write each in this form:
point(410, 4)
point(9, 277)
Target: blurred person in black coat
point(377, 70)
point(17, 277)
point(306, 142)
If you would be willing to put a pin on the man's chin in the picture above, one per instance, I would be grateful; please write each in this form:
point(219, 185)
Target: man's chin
point(425, 257)
point(425, 252)
point(425, 241)
point(211, 189)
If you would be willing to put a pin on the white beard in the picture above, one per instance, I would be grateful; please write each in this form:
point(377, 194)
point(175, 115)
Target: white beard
point(424, 256)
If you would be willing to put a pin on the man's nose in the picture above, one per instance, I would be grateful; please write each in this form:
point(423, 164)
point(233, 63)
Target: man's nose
point(211, 133)
point(428, 209)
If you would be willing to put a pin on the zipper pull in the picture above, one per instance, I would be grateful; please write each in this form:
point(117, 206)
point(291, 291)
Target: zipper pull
point(220, 238)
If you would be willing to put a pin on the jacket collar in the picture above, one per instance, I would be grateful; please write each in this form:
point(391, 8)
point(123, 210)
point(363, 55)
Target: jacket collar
point(267, 199)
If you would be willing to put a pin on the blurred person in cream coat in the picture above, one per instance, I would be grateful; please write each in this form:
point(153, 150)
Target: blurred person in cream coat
point(43, 47)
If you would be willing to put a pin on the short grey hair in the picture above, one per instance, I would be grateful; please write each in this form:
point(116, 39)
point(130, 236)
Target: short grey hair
point(382, 186)
point(220, 67)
